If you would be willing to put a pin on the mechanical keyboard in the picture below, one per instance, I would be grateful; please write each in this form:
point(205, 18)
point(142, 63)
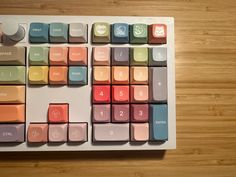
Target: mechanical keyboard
point(87, 83)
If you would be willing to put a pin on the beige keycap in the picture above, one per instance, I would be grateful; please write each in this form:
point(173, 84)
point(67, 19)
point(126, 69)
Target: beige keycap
point(10, 55)
point(12, 94)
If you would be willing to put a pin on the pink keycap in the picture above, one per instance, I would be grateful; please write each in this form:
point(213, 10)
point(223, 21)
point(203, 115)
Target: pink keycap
point(101, 112)
point(37, 132)
point(77, 132)
point(139, 132)
point(139, 112)
point(57, 132)
point(120, 113)
point(111, 132)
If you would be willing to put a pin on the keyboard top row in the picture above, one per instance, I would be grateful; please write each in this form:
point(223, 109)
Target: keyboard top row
point(86, 83)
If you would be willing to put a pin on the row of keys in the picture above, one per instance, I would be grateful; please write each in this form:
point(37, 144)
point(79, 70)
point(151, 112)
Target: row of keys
point(58, 56)
point(120, 56)
point(102, 33)
point(155, 130)
point(57, 75)
point(43, 132)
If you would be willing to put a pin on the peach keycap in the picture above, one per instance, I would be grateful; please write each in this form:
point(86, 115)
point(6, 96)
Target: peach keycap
point(139, 132)
point(139, 75)
point(78, 56)
point(101, 75)
point(12, 113)
point(58, 112)
point(12, 94)
point(37, 133)
point(58, 55)
point(101, 56)
point(58, 75)
point(139, 93)
point(120, 75)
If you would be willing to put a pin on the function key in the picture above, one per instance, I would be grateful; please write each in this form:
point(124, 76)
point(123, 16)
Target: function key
point(158, 56)
point(138, 34)
point(101, 112)
point(120, 33)
point(37, 133)
point(101, 56)
point(157, 34)
point(139, 56)
point(58, 32)
point(77, 75)
point(58, 56)
point(38, 33)
point(120, 56)
point(78, 33)
point(38, 56)
point(101, 32)
point(12, 55)
point(78, 56)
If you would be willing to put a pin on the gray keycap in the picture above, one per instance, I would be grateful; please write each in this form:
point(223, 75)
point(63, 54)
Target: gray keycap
point(111, 132)
point(158, 84)
point(120, 56)
point(10, 55)
point(78, 33)
point(158, 56)
point(12, 132)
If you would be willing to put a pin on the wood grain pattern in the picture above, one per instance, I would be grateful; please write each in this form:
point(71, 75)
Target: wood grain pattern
point(206, 94)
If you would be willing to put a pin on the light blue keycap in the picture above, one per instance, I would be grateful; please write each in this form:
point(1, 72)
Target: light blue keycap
point(78, 75)
point(120, 33)
point(38, 33)
point(58, 32)
point(159, 122)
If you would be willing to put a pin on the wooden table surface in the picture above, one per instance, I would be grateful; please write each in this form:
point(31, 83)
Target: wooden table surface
point(205, 42)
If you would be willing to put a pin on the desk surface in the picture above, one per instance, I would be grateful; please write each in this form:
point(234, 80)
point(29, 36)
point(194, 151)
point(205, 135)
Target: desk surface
point(205, 86)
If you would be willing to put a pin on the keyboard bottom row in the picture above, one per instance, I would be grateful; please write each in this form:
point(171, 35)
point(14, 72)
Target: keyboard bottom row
point(156, 129)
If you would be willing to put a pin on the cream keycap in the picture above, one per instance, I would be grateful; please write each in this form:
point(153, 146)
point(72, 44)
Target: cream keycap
point(38, 75)
point(12, 94)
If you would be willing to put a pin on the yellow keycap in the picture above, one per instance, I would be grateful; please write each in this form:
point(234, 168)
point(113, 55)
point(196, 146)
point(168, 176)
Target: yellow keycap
point(38, 75)
point(12, 94)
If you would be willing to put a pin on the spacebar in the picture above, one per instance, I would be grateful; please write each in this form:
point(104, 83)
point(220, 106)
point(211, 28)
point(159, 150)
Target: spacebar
point(111, 132)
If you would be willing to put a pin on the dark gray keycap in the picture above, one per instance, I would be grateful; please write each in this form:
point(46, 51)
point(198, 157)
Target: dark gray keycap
point(12, 132)
point(158, 84)
point(158, 122)
point(120, 56)
point(158, 56)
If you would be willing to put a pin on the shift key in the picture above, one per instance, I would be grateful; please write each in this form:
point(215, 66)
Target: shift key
point(12, 113)
point(11, 55)
point(12, 75)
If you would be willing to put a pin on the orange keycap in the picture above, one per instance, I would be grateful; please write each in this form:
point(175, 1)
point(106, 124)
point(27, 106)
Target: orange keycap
point(58, 75)
point(58, 55)
point(120, 75)
point(12, 113)
point(12, 94)
point(78, 56)
point(101, 75)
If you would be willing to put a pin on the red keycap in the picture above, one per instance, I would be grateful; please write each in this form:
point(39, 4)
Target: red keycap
point(120, 94)
point(101, 94)
point(58, 113)
point(157, 34)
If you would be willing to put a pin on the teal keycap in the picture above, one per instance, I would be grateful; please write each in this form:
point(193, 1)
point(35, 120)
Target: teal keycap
point(38, 33)
point(38, 56)
point(139, 56)
point(158, 122)
point(78, 75)
point(12, 75)
point(138, 34)
point(58, 32)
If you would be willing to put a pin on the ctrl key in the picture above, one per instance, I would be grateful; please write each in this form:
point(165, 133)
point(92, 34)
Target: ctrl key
point(12, 133)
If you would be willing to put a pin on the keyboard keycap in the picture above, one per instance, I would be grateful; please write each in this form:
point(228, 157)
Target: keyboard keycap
point(111, 132)
point(139, 93)
point(157, 34)
point(12, 75)
point(58, 113)
point(12, 55)
point(78, 75)
point(139, 131)
point(78, 132)
point(12, 133)
point(38, 75)
point(37, 133)
point(158, 122)
point(120, 94)
point(78, 56)
point(120, 113)
point(101, 75)
point(139, 75)
point(139, 56)
point(58, 33)
point(158, 84)
point(120, 33)
point(101, 56)
point(38, 33)
point(120, 56)
point(58, 75)
point(12, 94)
point(120, 75)
point(58, 56)
point(78, 33)
point(101, 113)
point(12, 113)
point(57, 133)
point(101, 32)
point(138, 34)
point(139, 112)
point(158, 56)
point(101, 94)
point(38, 56)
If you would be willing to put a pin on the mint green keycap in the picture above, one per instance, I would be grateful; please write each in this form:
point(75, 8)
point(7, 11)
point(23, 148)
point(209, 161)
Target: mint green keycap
point(138, 34)
point(12, 75)
point(38, 56)
point(139, 56)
